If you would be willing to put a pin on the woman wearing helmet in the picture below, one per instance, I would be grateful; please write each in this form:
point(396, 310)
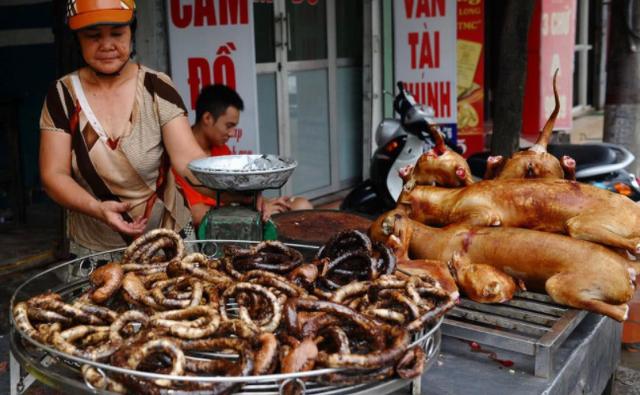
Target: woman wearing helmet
point(110, 131)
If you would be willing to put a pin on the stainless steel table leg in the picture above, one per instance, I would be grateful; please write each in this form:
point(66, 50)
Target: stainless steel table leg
point(14, 371)
point(416, 386)
point(19, 382)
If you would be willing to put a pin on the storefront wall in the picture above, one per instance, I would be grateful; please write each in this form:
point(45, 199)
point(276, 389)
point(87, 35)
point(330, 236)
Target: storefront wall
point(309, 87)
point(315, 82)
point(308, 55)
point(584, 20)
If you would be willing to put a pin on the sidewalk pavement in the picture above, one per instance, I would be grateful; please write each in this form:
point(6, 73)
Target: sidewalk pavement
point(588, 128)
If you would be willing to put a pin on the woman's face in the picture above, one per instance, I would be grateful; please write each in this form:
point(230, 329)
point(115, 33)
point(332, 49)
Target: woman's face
point(105, 48)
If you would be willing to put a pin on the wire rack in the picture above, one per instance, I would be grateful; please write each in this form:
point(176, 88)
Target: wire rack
point(530, 324)
point(62, 371)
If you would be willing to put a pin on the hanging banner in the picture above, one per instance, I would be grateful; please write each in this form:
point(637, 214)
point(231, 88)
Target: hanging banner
point(211, 42)
point(551, 46)
point(425, 55)
point(470, 86)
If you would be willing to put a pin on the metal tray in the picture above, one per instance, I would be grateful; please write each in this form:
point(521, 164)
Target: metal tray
point(61, 371)
point(530, 324)
point(243, 172)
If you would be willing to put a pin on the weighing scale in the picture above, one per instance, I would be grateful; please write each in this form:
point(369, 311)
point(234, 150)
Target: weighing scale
point(240, 174)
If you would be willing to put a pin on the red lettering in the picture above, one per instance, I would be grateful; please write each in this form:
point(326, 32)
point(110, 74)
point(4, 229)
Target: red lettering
point(180, 19)
point(237, 134)
point(439, 98)
point(199, 77)
point(429, 55)
point(425, 51)
point(205, 10)
point(413, 42)
point(408, 8)
point(230, 9)
point(440, 6)
point(445, 99)
point(432, 97)
point(224, 71)
point(436, 94)
point(424, 8)
point(436, 41)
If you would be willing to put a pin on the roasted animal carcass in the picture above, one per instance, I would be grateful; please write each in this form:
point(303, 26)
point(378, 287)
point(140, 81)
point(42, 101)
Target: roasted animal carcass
point(561, 206)
point(438, 166)
point(447, 169)
point(535, 162)
point(574, 272)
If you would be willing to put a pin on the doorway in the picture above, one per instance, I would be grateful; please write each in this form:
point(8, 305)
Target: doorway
point(309, 65)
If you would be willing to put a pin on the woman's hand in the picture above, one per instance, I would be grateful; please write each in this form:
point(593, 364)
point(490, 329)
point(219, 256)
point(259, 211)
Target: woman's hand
point(111, 214)
point(55, 172)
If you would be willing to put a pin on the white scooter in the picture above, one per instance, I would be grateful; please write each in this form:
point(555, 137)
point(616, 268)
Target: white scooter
point(400, 143)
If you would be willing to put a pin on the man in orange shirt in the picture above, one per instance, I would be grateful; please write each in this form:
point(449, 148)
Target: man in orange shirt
point(217, 115)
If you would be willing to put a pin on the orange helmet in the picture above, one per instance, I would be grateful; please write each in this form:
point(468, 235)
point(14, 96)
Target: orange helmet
point(86, 13)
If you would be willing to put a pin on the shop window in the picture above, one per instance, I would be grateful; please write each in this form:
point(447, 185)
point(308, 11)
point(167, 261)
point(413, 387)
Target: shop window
point(583, 58)
point(309, 65)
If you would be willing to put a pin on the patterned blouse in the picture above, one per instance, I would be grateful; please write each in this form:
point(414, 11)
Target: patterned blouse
point(132, 169)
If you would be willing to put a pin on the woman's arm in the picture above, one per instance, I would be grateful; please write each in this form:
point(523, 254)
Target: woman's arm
point(55, 173)
point(183, 148)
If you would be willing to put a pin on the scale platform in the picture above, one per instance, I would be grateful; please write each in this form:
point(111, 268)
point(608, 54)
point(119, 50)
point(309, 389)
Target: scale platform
point(247, 174)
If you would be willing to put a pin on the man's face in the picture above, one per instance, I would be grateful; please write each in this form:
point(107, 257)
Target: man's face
point(221, 129)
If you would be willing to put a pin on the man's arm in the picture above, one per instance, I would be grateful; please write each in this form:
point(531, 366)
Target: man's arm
point(198, 211)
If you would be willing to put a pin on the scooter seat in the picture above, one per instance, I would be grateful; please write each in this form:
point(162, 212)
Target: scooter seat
point(585, 155)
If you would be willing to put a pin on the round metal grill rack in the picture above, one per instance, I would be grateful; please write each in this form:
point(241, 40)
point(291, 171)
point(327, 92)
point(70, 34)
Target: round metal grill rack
point(62, 371)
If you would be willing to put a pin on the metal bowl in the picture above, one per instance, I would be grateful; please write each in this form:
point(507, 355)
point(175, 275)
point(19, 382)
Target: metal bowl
point(243, 172)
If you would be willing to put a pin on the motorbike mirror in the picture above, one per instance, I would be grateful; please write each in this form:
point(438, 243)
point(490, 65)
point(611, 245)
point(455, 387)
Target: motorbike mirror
point(418, 120)
point(403, 101)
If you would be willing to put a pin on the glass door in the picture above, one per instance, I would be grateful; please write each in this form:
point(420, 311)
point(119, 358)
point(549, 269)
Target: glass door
point(267, 35)
point(310, 90)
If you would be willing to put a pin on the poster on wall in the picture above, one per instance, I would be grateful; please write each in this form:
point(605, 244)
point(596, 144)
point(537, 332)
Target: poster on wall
point(425, 56)
point(550, 48)
point(212, 42)
point(470, 84)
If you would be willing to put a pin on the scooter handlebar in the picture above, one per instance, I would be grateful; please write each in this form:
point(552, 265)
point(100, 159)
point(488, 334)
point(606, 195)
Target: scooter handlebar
point(403, 101)
point(414, 118)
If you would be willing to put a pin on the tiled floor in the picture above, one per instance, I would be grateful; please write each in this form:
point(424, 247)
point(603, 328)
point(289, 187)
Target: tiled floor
point(31, 243)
